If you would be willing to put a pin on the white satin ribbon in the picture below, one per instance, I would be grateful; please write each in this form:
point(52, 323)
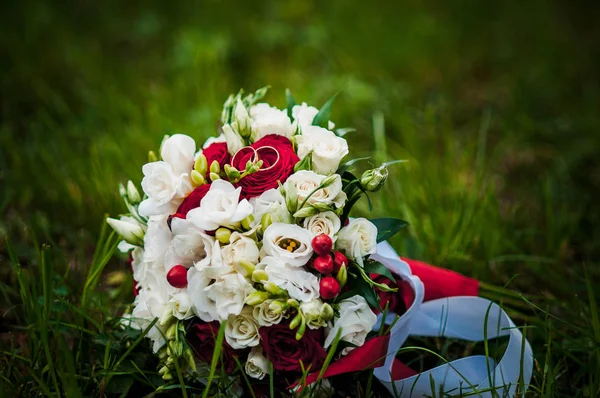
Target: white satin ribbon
point(459, 318)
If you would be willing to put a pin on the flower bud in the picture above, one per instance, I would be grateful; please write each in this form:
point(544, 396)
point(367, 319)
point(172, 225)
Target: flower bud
point(232, 173)
point(291, 198)
point(152, 157)
point(197, 178)
point(342, 275)
point(122, 190)
point(223, 235)
point(130, 230)
point(259, 275)
point(201, 164)
point(189, 357)
point(321, 207)
point(326, 312)
point(301, 330)
point(166, 317)
point(132, 193)
point(273, 289)
point(242, 118)
point(215, 167)
point(278, 307)
point(305, 163)
point(171, 331)
point(306, 211)
point(255, 298)
point(293, 303)
point(244, 267)
point(247, 222)
point(295, 322)
point(265, 221)
point(327, 181)
point(373, 180)
point(214, 176)
point(255, 167)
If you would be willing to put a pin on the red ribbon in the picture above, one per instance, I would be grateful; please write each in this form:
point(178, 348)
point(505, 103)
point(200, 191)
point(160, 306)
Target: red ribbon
point(438, 283)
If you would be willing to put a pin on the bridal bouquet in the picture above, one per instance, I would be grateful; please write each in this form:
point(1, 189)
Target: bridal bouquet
point(243, 253)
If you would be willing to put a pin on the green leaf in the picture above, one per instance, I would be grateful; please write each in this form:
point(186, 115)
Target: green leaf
point(359, 286)
point(322, 118)
point(387, 227)
point(342, 169)
point(375, 267)
point(290, 102)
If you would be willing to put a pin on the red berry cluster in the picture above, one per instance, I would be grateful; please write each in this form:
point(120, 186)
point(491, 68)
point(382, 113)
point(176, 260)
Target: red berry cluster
point(326, 263)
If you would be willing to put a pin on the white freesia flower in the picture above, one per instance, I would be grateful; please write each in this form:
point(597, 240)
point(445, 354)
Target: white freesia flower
point(356, 320)
point(328, 149)
point(240, 247)
point(305, 114)
point(148, 305)
point(233, 139)
point(190, 245)
point(358, 239)
point(229, 293)
point(312, 312)
point(168, 182)
point(306, 181)
point(266, 316)
point(288, 243)
point(300, 284)
point(149, 268)
point(257, 365)
point(242, 330)
point(268, 119)
point(273, 203)
point(178, 151)
point(182, 305)
point(129, 228)
point(327, 223)
point(220, 207)
point(204, 307)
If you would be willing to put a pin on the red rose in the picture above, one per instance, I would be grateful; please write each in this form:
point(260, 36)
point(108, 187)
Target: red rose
point(216, 151)
point(285, 352)
point(193, 200)
point(202, 338)
point(278, 158)
point(398, 301)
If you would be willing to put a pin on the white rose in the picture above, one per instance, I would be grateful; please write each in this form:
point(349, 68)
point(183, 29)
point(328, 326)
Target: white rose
point(242, 330)
point(356, 320)
point(358, 239)
point(267, 120)
point(304, 115)
point(165, 189)
point(300, 284)
point(328, 149)
point(306, 182)
point(266, 316)
point(288, 243)
point(189, 245)
point(178, 151)
point(229, 293)
point(182, 305)
point(257, 366)
point(220, 207)
point(168, 182)
point(312, 312)
point(240, 247)
point(273, 203)
point(327, 223)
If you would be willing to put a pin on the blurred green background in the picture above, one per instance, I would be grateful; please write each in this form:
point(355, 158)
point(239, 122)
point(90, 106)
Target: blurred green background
point(494, 104)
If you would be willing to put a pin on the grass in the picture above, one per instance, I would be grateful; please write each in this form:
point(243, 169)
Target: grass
point(493, 105)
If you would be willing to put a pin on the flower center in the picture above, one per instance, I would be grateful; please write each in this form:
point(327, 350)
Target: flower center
point(289, 244)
